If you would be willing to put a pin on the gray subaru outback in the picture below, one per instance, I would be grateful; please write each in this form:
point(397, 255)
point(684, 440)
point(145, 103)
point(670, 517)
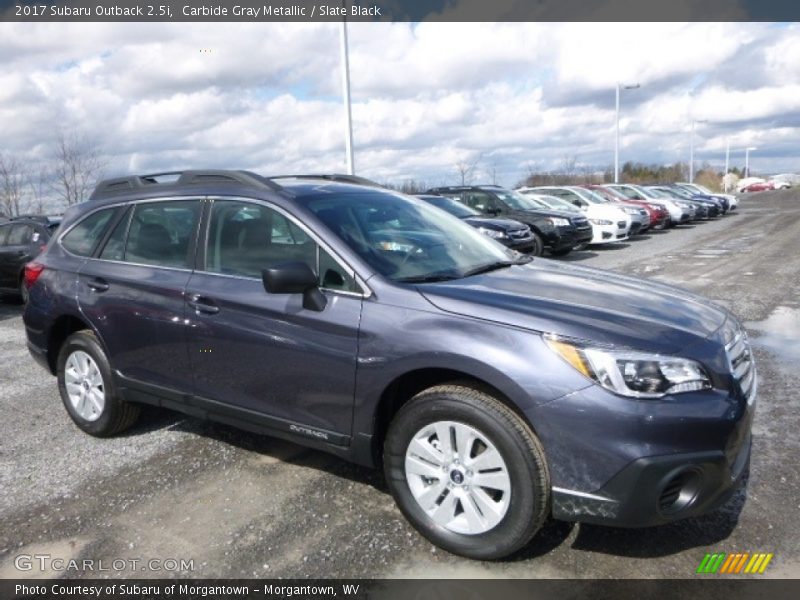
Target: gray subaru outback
point(495, 390)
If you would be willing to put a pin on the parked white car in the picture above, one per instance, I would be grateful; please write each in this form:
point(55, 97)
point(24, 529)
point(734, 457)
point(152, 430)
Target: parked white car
point(609, 223)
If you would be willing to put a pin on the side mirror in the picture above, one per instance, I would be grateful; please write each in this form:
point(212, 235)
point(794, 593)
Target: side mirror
point(493, 211)
point(295, 278)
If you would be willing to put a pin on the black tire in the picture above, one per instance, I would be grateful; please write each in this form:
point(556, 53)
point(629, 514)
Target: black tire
point(538, 245)
point(116, 415)
point(23, 291)
point(522, 453)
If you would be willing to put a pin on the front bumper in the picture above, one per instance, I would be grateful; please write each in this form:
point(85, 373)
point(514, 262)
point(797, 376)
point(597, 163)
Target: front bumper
point(564, 237)
point(604, 234)
point(658, 489)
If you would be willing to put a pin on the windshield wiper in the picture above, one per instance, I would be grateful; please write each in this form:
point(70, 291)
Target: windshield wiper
point(501, 264)
point(429, 278)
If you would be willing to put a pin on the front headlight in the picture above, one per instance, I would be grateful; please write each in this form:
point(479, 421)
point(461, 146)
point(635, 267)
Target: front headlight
point(601, 222)
point(492, 233)
point(632, 374)
point(558, 221)
point(631, 211)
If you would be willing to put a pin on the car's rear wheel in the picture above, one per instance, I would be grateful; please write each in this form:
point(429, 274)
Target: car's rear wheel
point(87, 387)
point(467, 472)
point(23, 291)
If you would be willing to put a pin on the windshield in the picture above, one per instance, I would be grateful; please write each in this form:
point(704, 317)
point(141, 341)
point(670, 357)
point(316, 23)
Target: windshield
point(405, 239)
point(535, 201)
point(558, 203)
point(646, 192)
point(605, 193)
point(454, 207)
point(628, 192)
point(589, 195)
point(656, 193)
point(515, 200)
point(680, 193)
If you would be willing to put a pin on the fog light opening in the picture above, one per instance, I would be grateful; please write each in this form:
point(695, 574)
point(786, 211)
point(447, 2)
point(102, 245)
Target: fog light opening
point(679, 492)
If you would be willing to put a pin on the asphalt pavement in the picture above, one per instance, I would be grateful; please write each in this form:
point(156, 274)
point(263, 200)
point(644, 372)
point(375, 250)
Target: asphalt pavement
point(227, 503)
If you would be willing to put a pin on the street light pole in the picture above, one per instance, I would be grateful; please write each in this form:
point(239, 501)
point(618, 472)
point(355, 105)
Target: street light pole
point(747, 160)
point(727, 164)
point(616, 140)
point(348, 137)
point(691, 149)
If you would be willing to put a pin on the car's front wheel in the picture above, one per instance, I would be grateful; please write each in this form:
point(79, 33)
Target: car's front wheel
point(467, 472)
point(87, 387)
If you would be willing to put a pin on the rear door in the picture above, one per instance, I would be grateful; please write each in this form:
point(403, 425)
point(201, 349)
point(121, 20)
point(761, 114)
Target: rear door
point(263, 357)
point(131, 290)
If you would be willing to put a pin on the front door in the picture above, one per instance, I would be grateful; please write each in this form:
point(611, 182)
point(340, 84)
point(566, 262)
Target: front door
point(264, 354)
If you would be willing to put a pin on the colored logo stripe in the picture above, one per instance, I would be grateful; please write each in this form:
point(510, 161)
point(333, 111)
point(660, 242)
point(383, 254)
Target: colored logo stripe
point(720, 562)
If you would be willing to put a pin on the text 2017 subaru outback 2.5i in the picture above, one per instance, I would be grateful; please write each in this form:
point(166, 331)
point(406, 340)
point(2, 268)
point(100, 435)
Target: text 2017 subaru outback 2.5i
point(494, 389)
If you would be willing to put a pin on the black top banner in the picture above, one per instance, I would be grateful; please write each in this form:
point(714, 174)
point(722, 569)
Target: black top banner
point(400, 10)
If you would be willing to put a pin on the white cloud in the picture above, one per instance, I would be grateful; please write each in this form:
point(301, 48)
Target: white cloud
point(267, 96)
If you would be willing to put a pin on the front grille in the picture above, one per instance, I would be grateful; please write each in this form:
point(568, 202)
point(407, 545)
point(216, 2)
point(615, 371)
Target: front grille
point(580, 222)
point(742, 364)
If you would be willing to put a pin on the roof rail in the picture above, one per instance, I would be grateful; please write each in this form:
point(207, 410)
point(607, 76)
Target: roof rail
point(170, 179)
point(337, 177)
point(37, 218)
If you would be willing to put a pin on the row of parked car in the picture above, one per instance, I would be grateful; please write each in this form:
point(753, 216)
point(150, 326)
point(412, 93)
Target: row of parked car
point(561, 219)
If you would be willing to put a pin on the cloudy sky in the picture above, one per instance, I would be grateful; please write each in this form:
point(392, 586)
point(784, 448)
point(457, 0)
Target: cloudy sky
point(513, 96)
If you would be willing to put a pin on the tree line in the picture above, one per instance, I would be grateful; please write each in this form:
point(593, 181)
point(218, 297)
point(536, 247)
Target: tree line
point(74, 167)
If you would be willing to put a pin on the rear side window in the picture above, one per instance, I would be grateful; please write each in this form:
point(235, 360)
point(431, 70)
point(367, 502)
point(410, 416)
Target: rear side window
point(161, 233)
point(19, 235)
point(115, 246)
point(4, 229)
point(82, 238)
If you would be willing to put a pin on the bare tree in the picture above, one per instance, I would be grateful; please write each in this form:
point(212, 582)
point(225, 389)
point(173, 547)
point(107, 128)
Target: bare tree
point(13, 178)
point(568, 164)
point(492, 172)
point(77, 167)
point(38, 188)
point(466, 169)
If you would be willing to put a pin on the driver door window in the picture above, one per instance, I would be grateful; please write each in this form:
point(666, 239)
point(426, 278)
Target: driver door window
point(245, 238)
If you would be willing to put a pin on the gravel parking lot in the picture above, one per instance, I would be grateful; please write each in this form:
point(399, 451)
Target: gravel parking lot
point(240, 505)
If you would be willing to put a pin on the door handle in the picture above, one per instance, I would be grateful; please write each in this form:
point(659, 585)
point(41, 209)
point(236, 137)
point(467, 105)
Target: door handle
point(98, 285)
point(201, 304)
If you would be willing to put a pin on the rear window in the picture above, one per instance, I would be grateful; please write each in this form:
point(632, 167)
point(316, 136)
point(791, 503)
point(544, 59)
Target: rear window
point(4, 229)
point(83, 237)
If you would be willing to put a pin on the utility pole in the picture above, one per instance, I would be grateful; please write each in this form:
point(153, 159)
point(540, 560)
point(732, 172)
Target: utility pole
point(616, 140)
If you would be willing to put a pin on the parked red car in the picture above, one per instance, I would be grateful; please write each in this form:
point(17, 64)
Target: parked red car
point(761, 186)
point(659, 216)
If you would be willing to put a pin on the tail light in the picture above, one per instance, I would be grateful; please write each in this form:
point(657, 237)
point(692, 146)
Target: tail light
point(32, 272)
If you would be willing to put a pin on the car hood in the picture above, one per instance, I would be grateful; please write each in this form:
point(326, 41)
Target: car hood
point(498, 224)
point(583, 303)
point(599, 211)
